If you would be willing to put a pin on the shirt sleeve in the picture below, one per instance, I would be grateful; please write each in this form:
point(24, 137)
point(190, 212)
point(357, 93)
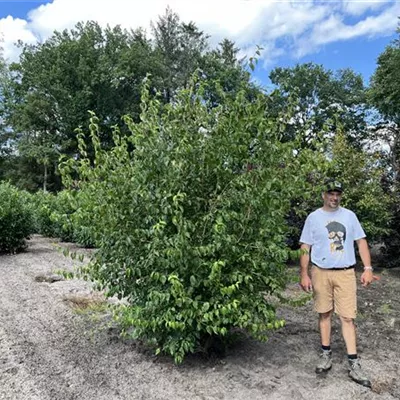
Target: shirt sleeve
point(358, 231)
point(306, 234)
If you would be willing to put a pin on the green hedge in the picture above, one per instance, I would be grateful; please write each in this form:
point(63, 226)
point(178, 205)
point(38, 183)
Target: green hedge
point(16, 218)
point(61, 215)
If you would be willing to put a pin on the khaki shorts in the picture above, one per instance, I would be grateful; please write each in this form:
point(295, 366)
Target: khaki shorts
point(335, 290)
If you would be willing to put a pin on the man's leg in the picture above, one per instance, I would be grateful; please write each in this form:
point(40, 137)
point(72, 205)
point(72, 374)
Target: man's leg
point(325, 359)
point(323, 300)
point(349, 334)
point(325, 328)
point(346, 304)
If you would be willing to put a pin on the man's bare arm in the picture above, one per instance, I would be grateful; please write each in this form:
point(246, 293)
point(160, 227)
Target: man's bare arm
point(305, 281)
point(367, 277)
point(364, 252)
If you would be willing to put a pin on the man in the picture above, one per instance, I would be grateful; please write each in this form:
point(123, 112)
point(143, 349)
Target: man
point(329, 234)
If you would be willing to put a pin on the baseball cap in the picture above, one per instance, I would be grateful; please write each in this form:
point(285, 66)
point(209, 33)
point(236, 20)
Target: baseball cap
point(332, 185)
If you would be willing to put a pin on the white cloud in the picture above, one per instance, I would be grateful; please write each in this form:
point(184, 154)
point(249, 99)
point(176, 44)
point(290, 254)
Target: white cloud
point(334, 29)
point(359, 7)
point(139, 13)
point(298, 27)
point(279, 22)
point(12, 30)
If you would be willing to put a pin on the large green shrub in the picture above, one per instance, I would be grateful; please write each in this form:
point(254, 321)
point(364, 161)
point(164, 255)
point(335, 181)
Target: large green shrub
point(16, 220)
point(191, 224)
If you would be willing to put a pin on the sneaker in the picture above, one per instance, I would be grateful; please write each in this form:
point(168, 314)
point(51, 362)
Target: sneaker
point(357, 374)
point(325, 362)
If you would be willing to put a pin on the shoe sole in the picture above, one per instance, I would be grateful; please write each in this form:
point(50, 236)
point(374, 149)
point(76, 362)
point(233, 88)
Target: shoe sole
point(322, 371)
point(362, 383)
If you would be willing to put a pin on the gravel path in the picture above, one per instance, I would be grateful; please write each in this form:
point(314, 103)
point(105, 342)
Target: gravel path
point(49, 351)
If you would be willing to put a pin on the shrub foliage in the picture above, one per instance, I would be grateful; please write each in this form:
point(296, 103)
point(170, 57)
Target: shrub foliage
point(63, 215)
point(191, 224)
point(16, 218)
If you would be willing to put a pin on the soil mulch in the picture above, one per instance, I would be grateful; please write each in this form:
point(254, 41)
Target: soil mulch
point(57, 342)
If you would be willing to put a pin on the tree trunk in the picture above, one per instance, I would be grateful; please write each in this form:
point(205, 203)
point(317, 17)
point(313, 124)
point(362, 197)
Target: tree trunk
point(45, 178)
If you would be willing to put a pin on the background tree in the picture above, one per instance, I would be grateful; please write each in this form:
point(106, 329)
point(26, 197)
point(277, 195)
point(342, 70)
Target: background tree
point(4, 147)
point(324, 97)
point(360, 172)
point(226, 74)
point(55, 83)
point(8, 154)
point(180, 47)
point(384, 94)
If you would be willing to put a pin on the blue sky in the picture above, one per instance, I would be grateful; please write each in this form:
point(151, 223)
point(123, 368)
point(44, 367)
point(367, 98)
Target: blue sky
point(359, 54)
point(337, 34)
point(17, 8)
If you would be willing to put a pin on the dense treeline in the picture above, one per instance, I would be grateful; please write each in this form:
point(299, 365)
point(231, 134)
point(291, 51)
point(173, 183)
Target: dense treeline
point(47, 94)
point(191, 181)
point(55, 83)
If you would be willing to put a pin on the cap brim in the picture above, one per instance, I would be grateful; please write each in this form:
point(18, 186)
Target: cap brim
point(336, 189)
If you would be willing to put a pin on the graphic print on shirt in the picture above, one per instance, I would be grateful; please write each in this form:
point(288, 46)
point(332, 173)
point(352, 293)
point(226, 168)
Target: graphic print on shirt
point(337, 236)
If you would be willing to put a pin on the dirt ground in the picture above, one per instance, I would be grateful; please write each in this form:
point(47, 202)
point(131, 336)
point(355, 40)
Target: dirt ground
point(51, 350)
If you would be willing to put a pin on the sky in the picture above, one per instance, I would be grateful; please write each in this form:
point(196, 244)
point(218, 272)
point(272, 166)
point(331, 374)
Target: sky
point(337, 33)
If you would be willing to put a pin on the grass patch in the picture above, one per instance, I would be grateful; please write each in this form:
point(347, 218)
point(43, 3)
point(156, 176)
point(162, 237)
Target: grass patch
point(385, 308)
point(84, 304)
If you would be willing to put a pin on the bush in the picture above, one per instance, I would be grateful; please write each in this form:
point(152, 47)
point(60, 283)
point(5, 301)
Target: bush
point(81, 220)
point(43, 206)
point(62, 216)
point(391, 242)
point(191, 225)
point(53, 215)
point(16, 219)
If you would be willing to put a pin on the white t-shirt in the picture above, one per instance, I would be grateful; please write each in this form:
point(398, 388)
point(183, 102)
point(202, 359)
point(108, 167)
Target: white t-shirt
point(331, 235)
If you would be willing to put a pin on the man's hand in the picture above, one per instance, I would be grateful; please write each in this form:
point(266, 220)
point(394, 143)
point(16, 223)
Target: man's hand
point(368, 277)
point(305, 283)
